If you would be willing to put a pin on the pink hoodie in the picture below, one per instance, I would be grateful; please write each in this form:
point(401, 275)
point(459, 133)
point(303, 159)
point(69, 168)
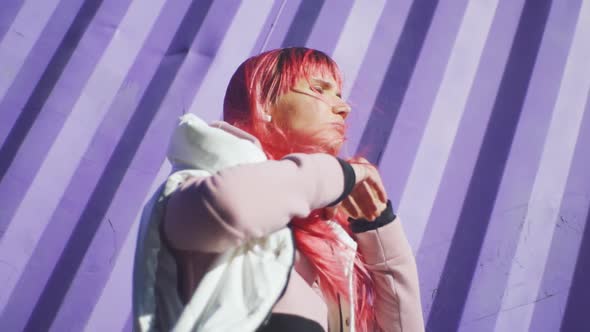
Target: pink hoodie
point(253, 200)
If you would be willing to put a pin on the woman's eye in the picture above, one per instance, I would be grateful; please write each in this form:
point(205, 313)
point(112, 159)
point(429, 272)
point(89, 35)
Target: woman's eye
point(318, 89)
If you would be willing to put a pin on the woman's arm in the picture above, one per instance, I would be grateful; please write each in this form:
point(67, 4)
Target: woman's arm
point(389, 257)
point(213, 213)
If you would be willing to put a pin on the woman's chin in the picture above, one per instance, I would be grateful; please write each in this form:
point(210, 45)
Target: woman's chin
point(332, 145)
point(329, 140)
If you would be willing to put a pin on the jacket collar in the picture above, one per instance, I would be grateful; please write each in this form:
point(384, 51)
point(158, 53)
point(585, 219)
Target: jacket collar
point(197, 145)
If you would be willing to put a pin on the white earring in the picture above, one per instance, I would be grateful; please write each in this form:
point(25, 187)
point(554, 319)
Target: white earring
point(266, 117)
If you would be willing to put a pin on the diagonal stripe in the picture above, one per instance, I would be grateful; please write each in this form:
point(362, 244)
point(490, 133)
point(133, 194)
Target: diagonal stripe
point(535, 237)
point(455, 181)
point(84, 118)
point(42, 115)
point(483, 188)
point(398, 75)
point(303, 22)
point(10, 9)
point(35, 63)
point(39, 100)
point(86, 226)
point(111, 310)
point(517, 181)
point(434, 149)
point(567, 271)
point(236, 46)
point(575, 314)
point(328, 26)
point(353, 44)
point(419, 99)
point(133, 183)
point(280, 21)
point(277, 14)
point(371, 74)
point(23, 34)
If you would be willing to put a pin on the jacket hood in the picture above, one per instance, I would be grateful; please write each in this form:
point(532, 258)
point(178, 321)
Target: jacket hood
point(197, 145)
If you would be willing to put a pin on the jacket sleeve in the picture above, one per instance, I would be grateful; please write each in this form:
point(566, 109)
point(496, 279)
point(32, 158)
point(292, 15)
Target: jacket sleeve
point(389, 257)
point(211, 214)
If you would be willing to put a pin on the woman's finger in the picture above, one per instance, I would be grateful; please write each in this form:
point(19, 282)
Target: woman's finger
point(350, 207)
point(366, 200)
point(379, 190)
point(330, 212)
point(376, 184)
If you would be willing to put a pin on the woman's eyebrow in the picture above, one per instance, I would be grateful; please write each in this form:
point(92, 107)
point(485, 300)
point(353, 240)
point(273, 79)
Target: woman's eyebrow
point(326, 85)
point(323, 82)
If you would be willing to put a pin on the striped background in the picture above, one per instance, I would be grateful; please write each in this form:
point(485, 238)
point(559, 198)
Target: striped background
point(478, 113)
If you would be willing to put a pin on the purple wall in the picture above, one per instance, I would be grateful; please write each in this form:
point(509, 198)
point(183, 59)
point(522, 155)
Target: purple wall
point(478, 113)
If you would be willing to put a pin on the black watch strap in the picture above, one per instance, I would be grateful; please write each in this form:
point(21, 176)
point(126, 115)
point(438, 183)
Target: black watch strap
point(362, 225)
point(349, 180)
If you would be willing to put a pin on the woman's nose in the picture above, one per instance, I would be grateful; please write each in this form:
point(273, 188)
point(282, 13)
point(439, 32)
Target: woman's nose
point(341, 108)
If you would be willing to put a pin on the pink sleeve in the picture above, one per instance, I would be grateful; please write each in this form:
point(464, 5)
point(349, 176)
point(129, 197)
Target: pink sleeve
point(389, 256)
point(213, 213)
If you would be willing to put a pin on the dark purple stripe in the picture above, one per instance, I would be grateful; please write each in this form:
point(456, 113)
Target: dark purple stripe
point(575, 317)
point(491, 277)
point(462, 157)
point(144, 166)
point(483, 187)
point(110, 180)
point(279, 31)
point(305, 18)
point(422, 92)
point(363, 90)
point(573, 224)
point(8, 13)
point(395, 83)
point(79, 69)
point(42, 116)
point(129, 324)
point(329, 25)
point(35, 64)
point(269, 28)
point(46, 84)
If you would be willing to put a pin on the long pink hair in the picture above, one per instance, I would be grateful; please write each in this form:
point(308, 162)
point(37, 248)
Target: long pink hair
point(254, 87)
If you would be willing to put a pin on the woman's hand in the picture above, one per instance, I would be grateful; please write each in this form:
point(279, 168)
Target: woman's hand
point(368, 198)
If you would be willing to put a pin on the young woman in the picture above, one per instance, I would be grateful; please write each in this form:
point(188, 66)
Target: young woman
point(261, 227)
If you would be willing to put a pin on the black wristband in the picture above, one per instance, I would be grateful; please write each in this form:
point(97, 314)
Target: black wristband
point(363, 225)
point(349, 180)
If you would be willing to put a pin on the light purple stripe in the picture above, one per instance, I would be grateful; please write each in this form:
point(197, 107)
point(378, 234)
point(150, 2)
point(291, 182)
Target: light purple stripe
point(276, 14)
point(435, 245)
point(29, 221)
point(370, 78)
point(8, 14)
point(58, 106)
point(129, 323)
point(515, 189)
point(279, 32)
point(420, 96)
point(23, 34)
point(567, 237)
point(329, 25)
point(112, 307)
point(141, 172)
point(528, 265)
point(353, 42)
point(35, 63)
point(432, 108)
point(234, 49)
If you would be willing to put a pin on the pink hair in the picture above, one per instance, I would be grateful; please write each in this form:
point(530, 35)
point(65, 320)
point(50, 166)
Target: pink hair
point(254, 87)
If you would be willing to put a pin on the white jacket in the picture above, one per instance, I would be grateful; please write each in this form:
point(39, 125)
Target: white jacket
point(244, 283)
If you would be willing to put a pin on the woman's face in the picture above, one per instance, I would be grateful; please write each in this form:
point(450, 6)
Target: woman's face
point(313, 109)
